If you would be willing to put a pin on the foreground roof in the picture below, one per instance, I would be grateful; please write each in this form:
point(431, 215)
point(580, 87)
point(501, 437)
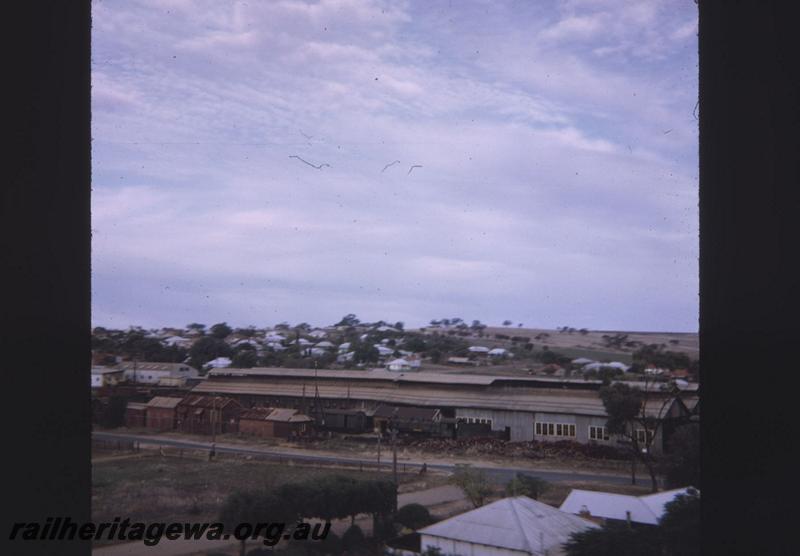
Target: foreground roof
point(643, 509)
point(518, 523)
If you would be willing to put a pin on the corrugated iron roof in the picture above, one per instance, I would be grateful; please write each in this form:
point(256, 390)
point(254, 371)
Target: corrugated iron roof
point(548, 401)
point(161, 401)
point(643, 509)
point(518, 523)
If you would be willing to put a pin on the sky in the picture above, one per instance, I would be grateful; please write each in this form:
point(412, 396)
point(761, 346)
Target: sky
point(243, 162)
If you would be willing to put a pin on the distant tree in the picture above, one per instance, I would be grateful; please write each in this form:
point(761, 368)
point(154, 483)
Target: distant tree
point(248, 332)
point(632, 411)
point(364, 352)
point(348, 320)
point(519, 325)
point(196, 326)
point(473, 482)
point(525, 485)
point(682, 466)
point(244, 358)
point(399, 325)
point(507, 323)
point(221, 330)
point(207, 348)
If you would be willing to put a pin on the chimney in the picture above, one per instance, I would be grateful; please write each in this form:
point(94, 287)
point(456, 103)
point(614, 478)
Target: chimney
point(584, 512)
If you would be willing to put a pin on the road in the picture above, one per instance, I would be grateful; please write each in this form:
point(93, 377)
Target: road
point(498, 474)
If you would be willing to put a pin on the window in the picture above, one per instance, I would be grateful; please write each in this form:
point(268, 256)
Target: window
point(555, 429)
point(598, 433)
point(644, 437)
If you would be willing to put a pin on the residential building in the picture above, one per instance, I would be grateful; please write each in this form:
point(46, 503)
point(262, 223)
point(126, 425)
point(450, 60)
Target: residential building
point(516, 526)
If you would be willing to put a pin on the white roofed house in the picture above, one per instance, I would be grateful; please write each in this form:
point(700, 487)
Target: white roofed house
point(498, 352)
point(509, 527)
point(219, 363)
point(344, 347)
point(602, 506)
point(403, 364)
point(325, 344)
point(318, 333)
point(177, 341)
point(481, 350)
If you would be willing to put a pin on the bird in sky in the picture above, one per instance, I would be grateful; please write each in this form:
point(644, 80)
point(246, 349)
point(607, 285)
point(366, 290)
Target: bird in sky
point(390, 164)
point(414, 166)
point(318, 167)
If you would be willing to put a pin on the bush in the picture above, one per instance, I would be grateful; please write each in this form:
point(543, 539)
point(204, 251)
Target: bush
point(413, 516)
point(353, 538)
point(331, 544)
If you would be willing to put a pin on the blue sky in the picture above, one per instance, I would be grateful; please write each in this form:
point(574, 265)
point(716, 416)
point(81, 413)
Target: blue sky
point(557, 143)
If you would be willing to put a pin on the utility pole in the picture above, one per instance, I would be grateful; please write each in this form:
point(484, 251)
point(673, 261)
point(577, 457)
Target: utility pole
point(394, 447)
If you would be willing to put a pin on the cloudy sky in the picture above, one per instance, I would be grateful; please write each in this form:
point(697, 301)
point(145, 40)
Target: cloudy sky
point(244, 162)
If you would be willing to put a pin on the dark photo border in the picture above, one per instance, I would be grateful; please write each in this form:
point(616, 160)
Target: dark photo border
point(749, 201)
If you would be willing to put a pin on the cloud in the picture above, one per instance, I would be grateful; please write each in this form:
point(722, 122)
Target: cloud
point(548, 189)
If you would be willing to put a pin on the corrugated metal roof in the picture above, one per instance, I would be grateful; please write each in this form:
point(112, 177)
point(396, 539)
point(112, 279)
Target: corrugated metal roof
point(548, 401)
point(136, 406)
point(643, 509)
point(518, 523)
point(161, 401)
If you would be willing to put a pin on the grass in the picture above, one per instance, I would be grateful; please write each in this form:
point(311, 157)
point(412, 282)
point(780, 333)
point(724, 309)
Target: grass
point(156, 488)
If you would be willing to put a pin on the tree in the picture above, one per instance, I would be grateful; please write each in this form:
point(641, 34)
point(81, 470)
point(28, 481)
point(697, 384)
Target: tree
point(682, 466)
point(680, 525)
point(207, 348)
point(399, 325)
point(353, 538)
point(252, 507)
point(636, 416)
point(196, 326)
point(413, 516)
point(507, 323)
point(525, 485)
point(473, 482)
point(364, 352)
point(614, 539)
point(244, 358)
point(221, 330)
point(348, 320)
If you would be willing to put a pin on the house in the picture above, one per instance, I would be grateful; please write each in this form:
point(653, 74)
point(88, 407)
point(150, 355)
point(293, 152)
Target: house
point(596, 366)
point(106, 376)
point(498, 352)
point(509, 527)
point(580, 361)
point(317, 333)
point(478, 350)
point(344, 347)
point(178, 341)
point(219, 363)
point(462, 361)
point(145, 372)
point(196, 414)
point(384, 351)
point(288, 423)
point(135, 415)
point(160, 413)
point(325, 344)
point(404, 364)
point(603, 506)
